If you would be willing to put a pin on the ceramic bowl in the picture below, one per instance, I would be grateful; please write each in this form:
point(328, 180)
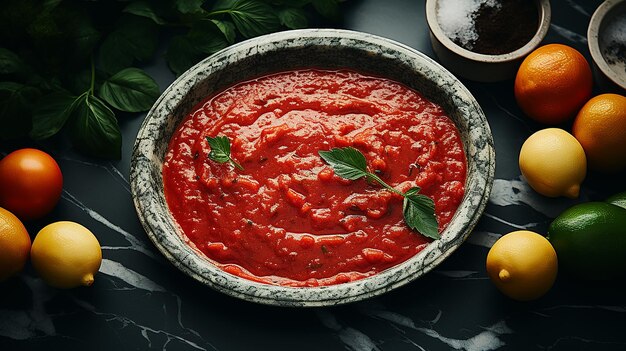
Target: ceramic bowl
point(606, 36)
point(320, 48)
point(481, 67)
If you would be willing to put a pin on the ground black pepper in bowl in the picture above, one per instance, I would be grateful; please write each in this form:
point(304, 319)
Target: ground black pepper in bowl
point(491, 27)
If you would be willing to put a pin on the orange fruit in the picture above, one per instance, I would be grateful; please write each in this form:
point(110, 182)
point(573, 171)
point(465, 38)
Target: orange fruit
point(14, 244)
point(600, 127)
point(552, 83)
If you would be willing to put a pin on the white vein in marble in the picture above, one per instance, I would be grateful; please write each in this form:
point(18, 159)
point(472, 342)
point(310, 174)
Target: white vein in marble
point(130, 277)
point(110, 168)
point(569, 35)
point(578, 8)
point(511, 192)
point(459, 274)
point(33, 322)
point(482, 238)
point(145, 331)
point(354, 340)
point(135, 244)
point(487, 340)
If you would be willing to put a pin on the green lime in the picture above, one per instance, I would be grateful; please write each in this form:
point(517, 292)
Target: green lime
point(590, 240)
point(618, 199)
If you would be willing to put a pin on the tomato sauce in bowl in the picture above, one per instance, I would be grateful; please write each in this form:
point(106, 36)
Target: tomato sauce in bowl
point(286, 218)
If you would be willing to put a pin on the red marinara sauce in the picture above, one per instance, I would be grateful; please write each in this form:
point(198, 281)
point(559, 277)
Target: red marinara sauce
point(287, 219)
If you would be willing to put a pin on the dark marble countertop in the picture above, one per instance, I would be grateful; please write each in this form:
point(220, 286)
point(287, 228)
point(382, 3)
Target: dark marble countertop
point(140, 301)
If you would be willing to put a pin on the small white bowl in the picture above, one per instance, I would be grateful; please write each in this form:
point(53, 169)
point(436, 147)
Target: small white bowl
point(481, 67)
point(602, 31)
point(327, 49)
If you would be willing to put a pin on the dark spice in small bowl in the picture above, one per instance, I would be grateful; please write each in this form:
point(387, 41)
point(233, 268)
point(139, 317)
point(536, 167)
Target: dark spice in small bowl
point(491, 27)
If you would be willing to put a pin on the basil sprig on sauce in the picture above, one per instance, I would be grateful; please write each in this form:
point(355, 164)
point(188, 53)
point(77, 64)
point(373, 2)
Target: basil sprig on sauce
point(220, 151)
point(418, 209)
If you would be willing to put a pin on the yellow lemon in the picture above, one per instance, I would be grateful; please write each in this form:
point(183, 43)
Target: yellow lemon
point(66, 255)
point(522, 265)
point(14, 244)
point(553, 163)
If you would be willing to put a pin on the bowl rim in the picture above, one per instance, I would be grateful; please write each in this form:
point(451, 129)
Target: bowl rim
point(593, 33)
point(188, 260)
point(540, 34)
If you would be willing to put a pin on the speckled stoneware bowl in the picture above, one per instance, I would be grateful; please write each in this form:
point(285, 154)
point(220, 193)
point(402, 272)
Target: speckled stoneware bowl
point(605, 34)
point(321, 48)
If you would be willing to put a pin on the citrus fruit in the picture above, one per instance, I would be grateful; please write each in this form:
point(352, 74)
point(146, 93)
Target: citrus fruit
point(523, 265)
point(618, 199)
point(14, 244)
point(66, 255)
point(552, 83)
point(590, 240)
point(30, 183)
point(553, 163)
point(600, 127)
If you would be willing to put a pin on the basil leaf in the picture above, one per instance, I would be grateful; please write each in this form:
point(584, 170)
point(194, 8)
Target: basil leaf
point(419, 213)
point(418, 210)
point(144, 9)
point(347, 162)
point(49, 5)
point(94, 129)
point(83, 36)
point(9, 62)
point(252, 18)
point(130, 90)
point(16, 101)
point(220, 150)
point(227, 28)
point(292, 17)
point(51, 113)
point(207, 37)
point(327, 8)
point(134, 39)
point(182, 54)
point(187, 7)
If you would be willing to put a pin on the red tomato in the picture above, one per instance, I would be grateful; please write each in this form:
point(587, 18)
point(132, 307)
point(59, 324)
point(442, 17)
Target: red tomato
point(30, 183)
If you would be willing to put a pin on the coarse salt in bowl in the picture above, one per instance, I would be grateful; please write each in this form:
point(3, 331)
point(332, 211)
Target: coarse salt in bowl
point(451, 22)
point(323, 49)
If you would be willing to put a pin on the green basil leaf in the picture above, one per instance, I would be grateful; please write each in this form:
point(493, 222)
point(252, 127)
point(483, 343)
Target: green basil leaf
point(130, 90)
point(44, 26)
point(94, 128)
point(16, 101)
point(134, 39)
point(187, 7)
point(83, 37)
point(327, 8)
point(51, 113)
point(207, 37)
point(220, 150)
point(419, 213)
point(292, 3)
point(228, 29)
point(9, 62)
point(144, 9)
point(347, 162)
point(292, 17)
point(418, 210)
point(49, 5)
point(182, 54)
point(252, 18)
